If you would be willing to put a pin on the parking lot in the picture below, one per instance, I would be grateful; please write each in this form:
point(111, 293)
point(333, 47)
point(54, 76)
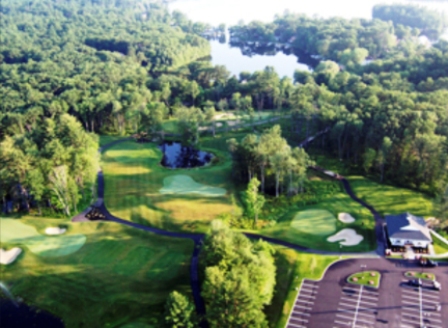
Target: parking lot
point(334, 303)
point(419, 306)
point(303, 305)
point(357, 307)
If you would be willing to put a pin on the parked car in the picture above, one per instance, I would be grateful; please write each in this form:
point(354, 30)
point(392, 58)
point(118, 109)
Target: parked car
point(415, 282)
point(428, 263)
point(436, 285)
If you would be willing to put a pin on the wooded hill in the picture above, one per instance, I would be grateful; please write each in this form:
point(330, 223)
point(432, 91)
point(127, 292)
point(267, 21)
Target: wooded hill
point(122, 70)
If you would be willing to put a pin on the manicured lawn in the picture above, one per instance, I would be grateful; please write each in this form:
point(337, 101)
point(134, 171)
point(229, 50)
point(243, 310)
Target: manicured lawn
point(439, 246)
point(420, 275)
point(120, 275)
point(106, 139)
point(365, 278)
point(184, 184)
point(292, 268)
point(391, 200)
point(335, 203)
point(134, 178)
point(315, 222)
point(386, 199)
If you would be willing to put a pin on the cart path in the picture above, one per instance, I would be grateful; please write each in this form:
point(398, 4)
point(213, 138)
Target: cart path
point(198, 238)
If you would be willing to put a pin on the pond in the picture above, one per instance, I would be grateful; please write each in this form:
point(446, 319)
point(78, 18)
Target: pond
point(179, 156)
point(230, 12)
point(26, 316)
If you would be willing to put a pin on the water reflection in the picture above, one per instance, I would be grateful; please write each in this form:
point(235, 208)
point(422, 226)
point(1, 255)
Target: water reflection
point(21, 316)
point(177, 155)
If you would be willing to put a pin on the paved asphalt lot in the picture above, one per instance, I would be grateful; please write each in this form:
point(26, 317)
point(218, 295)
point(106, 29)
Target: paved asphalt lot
point(334, 303)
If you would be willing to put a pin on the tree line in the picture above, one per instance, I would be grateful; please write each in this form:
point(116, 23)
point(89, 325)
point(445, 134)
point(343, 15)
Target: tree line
point(238, 282)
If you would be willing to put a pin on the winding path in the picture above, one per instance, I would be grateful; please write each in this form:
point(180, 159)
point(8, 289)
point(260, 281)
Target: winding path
point(197, 238)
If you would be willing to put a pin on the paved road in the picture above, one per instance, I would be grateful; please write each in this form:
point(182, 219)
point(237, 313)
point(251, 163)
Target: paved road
point(334, 303)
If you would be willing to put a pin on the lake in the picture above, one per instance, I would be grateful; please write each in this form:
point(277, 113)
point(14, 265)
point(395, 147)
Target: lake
point(177, 155)
point(230, 12)
point(26, 316)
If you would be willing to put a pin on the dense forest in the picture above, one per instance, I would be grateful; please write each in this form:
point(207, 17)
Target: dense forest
point(123, 69)
point(430, 23)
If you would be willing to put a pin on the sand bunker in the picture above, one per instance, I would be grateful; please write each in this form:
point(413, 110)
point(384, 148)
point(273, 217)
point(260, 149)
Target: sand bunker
point(14, 231)
point(55, 231)
point(346, 218)
point(348, 237)
point(7, 257)
point(184, 184)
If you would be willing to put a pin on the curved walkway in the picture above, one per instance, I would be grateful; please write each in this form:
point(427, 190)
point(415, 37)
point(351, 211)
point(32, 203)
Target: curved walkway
point(198, 238)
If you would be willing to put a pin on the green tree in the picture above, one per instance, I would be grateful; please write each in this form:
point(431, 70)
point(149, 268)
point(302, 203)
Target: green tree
point(234, 269)
point(179, 311)
point(253, 200)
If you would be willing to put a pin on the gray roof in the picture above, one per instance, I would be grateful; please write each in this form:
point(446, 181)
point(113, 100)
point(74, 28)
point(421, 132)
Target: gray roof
point(407, 226)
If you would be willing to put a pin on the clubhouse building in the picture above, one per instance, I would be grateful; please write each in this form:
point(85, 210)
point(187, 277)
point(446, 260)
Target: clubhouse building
point(407, 230)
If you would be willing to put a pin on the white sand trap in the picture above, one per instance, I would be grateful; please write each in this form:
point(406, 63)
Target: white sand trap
point(184, 184)
point(346, 218)
point(54, 231)
point(7, 257)
point(348, 237)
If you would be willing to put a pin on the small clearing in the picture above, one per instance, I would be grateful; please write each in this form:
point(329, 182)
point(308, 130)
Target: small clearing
point(8, 257)
point(347, 237)
point(184, 184)
point(346, 218)
point(55, 231)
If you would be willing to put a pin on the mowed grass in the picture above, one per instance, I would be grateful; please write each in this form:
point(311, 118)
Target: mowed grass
point(133, 180)
point(120, 275)
point(184, 184)
point(292, 268)
point(440, 247)
point(315, 222)
point(14, 231)
point(391, 200)
point(340, 202)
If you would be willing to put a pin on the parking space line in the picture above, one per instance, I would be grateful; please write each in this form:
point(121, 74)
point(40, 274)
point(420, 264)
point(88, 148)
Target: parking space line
point(297, 326)
point(310, 296)
point(359, 299)
point(432, 296)
point(299, 319)
point(404, 313)
point(372, 298)
point(303, 307)
point(348, 299)
point(343, 315)
point(366, 315)
point(408, 321)
point(342, 323)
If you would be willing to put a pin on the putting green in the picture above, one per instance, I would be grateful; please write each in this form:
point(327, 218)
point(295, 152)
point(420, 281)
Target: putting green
point(14, 231)
point(314, 222)
point(183, 184)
